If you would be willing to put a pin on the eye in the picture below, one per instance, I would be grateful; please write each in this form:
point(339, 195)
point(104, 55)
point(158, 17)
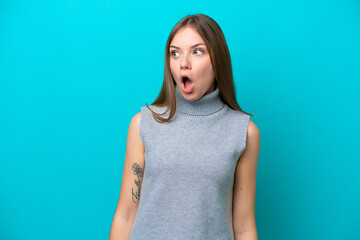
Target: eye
point(198, 50)
point(172, 53)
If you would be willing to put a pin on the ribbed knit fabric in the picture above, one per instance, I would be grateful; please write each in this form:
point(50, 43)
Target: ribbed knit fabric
point(187, 186)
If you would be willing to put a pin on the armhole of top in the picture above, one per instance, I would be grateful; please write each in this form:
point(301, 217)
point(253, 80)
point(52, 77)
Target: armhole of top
point(142, 122)
point(245, 122)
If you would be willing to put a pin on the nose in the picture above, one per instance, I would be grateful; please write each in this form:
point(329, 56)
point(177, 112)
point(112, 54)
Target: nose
point(185, 63)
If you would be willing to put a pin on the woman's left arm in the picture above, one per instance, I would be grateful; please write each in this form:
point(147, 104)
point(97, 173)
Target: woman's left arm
point(244, 223)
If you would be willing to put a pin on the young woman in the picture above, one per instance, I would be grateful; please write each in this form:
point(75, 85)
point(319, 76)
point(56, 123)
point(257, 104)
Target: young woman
point(193, 153)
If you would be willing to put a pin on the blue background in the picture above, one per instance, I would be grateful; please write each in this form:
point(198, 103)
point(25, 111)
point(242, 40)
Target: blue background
point(74, 73)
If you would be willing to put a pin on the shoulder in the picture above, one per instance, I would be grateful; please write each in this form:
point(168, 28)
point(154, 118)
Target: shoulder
point(253, 129)
point(134, 131)
point(135, 120)
point(253, 134)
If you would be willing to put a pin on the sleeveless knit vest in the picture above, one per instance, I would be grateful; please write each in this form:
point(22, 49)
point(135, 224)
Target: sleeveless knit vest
point(187, 186)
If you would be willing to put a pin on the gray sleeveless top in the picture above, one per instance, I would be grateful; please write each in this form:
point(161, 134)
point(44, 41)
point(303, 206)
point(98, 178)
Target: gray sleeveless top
point(187, 186)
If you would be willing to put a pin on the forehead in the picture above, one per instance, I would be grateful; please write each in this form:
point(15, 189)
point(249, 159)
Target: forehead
point(186, 37)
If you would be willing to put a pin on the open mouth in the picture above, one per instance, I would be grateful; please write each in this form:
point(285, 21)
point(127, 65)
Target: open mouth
point(186, 82)
point(185, 79)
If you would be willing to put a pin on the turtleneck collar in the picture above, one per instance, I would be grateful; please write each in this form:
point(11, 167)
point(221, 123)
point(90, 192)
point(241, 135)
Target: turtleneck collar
point(206, 105)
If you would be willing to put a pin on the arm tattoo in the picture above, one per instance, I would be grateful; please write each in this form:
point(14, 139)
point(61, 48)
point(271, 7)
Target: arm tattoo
point(138, 171)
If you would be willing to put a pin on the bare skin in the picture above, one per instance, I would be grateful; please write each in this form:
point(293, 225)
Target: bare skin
point(244, 223)
point(130, 191)
point(192, 61)
point(186, 58)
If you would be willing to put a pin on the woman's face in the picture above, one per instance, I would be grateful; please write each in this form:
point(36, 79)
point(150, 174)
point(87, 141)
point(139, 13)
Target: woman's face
point(189, 56)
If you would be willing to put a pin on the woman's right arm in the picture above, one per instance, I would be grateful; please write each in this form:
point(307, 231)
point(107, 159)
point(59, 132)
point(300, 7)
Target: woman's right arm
point(130, 184)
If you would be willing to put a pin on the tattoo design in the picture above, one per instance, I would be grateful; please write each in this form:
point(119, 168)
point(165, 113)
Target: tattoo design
point(138, 171)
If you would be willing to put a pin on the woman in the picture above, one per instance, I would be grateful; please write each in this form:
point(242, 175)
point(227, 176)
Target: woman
point(201, 150)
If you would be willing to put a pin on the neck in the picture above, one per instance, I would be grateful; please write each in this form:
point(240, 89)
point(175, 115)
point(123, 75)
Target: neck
point(206, 105)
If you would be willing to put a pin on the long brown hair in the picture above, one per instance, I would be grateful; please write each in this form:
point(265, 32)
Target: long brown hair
point(215, 42)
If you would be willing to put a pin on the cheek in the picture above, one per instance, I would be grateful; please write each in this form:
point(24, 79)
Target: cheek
point(172, 68)
point(207, 69)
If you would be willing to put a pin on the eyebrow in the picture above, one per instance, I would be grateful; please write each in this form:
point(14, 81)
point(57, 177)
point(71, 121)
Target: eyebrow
point(191, 46)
